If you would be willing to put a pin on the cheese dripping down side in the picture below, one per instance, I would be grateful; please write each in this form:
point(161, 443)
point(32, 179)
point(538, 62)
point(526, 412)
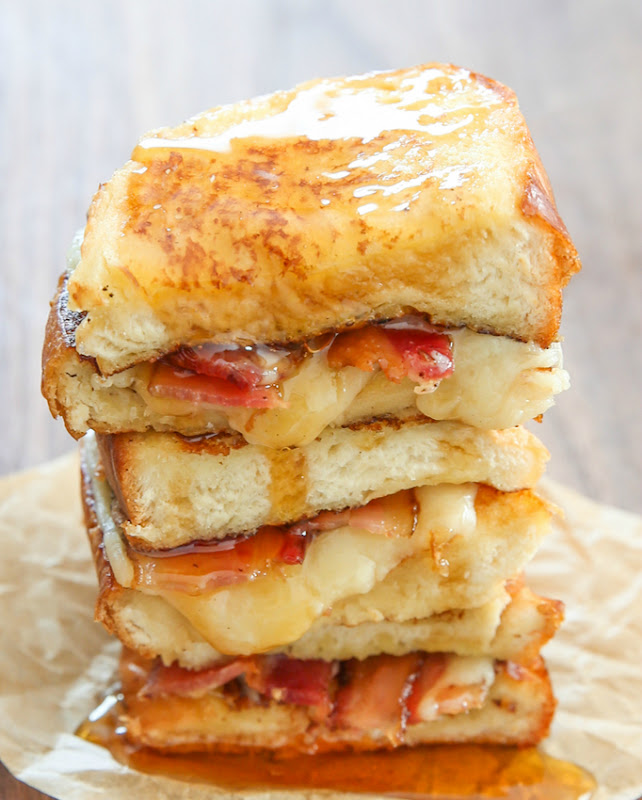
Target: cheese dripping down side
point(113, 541)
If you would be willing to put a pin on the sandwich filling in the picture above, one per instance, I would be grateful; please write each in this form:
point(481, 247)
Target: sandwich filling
point(378, 692)
point(251, 376)
point(200, 567)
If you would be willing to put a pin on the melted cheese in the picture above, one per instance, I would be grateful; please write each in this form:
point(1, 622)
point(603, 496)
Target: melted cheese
point(497, 383)
point(115, 548)
point(449, 511)
point(316, 395)
point(463, 685)
point(279, 608)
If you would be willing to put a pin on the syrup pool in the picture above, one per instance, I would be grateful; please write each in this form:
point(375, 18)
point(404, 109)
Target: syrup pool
point(435, 772)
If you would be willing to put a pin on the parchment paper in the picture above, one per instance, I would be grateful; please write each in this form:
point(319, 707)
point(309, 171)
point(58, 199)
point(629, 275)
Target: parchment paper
point(55, 661)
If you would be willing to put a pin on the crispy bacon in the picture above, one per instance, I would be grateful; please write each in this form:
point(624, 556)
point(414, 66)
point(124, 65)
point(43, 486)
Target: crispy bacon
point(435, 693)
point(235, 365)
point(367, 348)
point(277, 677)
point(181, 384)
point(233, 375)
point(225, 375)
point(431, 670)
point(423, 355)
point(393, 516)
point(294, 681)
point(247, 367)
point(374, 692)
point(379, 695)
point(201, 567)
point(181, 682)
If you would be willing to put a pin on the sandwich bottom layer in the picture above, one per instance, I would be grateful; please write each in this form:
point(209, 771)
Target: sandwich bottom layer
point(295, 706)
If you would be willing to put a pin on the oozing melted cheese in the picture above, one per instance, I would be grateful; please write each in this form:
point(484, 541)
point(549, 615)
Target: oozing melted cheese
point(451, 511)
point(115, 548)
point(279, 608)
point(476, 674)
point(316, 394)
point(497, 383)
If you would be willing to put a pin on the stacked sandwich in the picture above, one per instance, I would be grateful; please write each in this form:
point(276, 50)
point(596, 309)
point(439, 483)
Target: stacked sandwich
point(299, 336)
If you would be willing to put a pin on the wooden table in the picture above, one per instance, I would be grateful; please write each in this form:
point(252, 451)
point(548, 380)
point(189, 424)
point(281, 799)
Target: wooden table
point(81, 81)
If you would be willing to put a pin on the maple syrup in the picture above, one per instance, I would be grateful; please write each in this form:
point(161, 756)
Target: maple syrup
point(288, 483)
point(431, 772)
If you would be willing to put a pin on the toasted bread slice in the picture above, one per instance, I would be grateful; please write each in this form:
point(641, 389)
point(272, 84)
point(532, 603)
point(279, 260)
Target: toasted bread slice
point(174, 490)
point(513, 626)
point(335, 203)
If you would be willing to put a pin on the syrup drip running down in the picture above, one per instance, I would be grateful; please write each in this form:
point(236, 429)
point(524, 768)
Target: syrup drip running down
point(437, 772)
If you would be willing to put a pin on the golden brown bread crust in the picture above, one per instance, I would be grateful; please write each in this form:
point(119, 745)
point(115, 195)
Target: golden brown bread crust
point(58, 351)
point(413, 189)
point(527, 623)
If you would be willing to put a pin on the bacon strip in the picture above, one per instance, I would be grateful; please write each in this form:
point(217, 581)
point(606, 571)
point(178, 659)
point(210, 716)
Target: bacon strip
point(380, 695)
point(294, 681)
point(181, 384)
point(202, 567)
point(181, 682)
point(235, 366)
point(247, 367)
point(286, 680)
point(249, 377)
point(374, 693)
point(426, 356)
point(432, 669)
point(422, 355)
point(206, 566)
point(436, 692)
point(394, 515)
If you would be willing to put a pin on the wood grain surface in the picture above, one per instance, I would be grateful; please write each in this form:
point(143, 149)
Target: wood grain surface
point(81, 80)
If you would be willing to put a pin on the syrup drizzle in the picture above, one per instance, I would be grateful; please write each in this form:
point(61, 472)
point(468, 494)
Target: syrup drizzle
point(288, 483)
point(435, 772)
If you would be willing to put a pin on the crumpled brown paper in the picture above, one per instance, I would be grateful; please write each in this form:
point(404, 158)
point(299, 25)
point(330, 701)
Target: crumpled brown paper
point(55, 661)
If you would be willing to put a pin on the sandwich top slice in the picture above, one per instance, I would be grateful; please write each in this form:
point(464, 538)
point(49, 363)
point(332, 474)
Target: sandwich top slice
point(339, 202)
point(390, 240)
